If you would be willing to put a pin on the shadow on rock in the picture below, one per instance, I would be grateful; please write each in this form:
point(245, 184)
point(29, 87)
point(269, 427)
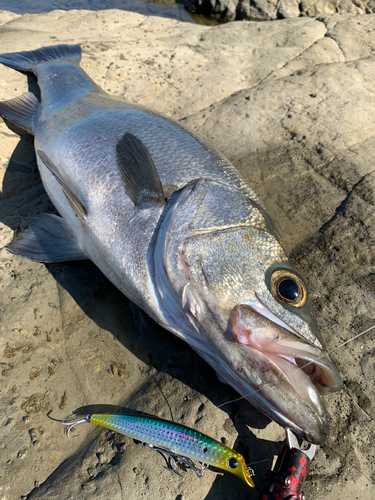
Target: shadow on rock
point(154, 346)
point(107, 459)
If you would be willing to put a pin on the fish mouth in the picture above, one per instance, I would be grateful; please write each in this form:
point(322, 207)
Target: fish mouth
point(291, 365)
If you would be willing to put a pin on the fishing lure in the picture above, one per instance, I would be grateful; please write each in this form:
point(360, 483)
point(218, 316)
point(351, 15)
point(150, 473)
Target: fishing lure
point(180, 444)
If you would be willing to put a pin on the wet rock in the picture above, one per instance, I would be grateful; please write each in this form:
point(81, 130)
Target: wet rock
point(229, 10)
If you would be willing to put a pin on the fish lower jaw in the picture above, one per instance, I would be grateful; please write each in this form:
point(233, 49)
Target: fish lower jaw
point(304, 413)
point(301, 383)
point(300, 362)
point(307, 391)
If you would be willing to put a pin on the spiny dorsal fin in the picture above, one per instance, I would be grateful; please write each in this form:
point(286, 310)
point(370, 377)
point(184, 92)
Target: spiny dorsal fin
point(74, 202)
point(48, 239)
point(138, 171)
point(21, 111)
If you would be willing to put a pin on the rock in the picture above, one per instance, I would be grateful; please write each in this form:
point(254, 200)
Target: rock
point(229, 10)
point(292, 104)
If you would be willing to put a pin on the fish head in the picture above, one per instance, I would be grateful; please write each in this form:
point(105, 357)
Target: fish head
point(249, 310)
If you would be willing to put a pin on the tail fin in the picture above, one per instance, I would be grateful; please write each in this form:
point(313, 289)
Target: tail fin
point(27, 61)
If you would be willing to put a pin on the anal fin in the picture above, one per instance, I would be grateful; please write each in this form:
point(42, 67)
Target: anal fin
point(138, 173)
point(21, 111)
point(48, 239)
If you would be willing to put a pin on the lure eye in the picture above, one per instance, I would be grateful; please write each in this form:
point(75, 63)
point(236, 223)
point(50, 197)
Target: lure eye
point(288, 288)
point(232, 463)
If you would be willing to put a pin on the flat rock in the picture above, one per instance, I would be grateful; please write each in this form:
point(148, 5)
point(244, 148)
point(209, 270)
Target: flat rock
point(292, 104)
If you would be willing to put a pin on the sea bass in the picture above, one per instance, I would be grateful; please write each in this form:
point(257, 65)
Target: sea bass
point(172, 224)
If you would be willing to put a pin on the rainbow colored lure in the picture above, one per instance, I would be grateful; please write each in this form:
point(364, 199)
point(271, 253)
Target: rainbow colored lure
point(181, 444)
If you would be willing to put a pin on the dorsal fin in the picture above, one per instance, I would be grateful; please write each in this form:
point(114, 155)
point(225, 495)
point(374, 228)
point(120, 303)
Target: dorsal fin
point(138, 171)
point(74, 202)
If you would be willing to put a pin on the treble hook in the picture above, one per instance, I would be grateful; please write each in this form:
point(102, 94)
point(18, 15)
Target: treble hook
point(181, 460)
point(174, 459)
point(71, 423)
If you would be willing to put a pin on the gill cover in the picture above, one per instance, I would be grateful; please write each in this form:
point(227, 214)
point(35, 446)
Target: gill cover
point(225, 286)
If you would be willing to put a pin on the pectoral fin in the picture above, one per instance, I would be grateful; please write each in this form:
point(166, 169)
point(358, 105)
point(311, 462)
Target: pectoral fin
point(73, 200)
point(138, 171)
point(48, 239)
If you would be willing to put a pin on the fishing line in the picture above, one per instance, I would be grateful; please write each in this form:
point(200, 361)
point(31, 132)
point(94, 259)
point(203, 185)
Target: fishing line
point(301, 367)
point(347, 341)
point(260, 461)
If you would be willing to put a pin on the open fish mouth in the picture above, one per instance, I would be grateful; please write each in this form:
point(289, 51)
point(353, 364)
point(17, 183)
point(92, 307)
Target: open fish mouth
point(300, 363)
point(292, 366)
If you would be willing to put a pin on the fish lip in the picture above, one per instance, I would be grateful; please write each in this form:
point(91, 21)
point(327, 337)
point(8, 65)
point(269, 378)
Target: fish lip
point(301, 368)
point(311, 422)
point(279, 343)
point(311, 363)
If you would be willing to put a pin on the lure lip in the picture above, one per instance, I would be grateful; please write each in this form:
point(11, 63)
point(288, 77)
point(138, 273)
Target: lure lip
point(247, 473)
point(249, 480)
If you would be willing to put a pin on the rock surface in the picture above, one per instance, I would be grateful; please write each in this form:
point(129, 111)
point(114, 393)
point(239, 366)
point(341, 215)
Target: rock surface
point(229, 10)
point(292, 104)
point(160, 8)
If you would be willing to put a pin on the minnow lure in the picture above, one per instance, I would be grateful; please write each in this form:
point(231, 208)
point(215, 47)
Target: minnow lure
point(173, 440)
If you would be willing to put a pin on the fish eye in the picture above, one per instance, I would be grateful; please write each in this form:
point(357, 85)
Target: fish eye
point(288, 288)
point(232, 463)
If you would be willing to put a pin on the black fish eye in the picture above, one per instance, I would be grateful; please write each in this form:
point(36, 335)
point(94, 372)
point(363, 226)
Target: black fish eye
point(288, 288)
point(232, 463)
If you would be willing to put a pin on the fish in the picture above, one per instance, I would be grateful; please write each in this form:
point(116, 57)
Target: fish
point(171, 439)
point(173, 225)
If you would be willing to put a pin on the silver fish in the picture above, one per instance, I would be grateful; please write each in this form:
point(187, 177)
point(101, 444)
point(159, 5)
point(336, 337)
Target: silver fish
point(172, 224)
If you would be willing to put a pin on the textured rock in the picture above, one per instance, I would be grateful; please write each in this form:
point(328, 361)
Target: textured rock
point(292, 104)
point(230, 10)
